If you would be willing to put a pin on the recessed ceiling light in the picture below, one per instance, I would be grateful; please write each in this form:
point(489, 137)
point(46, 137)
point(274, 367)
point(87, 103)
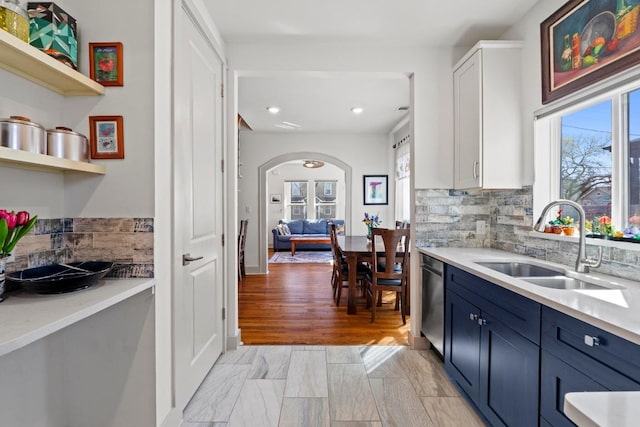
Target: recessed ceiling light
point(283, 126)
point(357, 110)
point(273, 109)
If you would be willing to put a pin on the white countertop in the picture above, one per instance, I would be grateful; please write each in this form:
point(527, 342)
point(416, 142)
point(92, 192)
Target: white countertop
point(25, 318)
point(603, 408)
point(613, 310)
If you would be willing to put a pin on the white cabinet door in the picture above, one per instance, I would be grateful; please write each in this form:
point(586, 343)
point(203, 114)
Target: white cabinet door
point(198, 208)
point(468, 126)
point(487, 117)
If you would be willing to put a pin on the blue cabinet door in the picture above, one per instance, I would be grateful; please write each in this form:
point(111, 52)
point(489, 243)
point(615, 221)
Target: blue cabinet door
point(462, 343)
point(558, 379)
point(509, 372)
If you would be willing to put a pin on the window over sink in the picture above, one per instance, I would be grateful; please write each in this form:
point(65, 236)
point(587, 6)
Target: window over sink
point(589, 152)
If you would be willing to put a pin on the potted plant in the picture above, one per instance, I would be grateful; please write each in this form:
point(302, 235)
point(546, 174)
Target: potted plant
point(567, 226)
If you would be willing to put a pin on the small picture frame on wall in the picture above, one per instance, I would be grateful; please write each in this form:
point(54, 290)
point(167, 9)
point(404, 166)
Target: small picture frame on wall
point(106, 137)
point(105, 63)
point(376, 189)
point(276, 198)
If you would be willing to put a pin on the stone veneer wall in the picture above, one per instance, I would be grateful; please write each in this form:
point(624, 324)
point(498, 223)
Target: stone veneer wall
point(126, 241)
point(447, 218)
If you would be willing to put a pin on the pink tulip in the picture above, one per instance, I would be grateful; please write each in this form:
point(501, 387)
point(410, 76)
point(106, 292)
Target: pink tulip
point(12, 220)
point(22, 218)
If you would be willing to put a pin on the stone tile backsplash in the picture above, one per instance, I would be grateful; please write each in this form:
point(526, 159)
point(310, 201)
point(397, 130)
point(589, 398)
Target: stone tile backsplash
point(126, 241)
point(447, 218)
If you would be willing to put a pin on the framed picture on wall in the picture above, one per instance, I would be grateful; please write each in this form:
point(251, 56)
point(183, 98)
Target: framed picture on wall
point(106, 63)
point(584, 42)
point(106, 137)
point(376, 189)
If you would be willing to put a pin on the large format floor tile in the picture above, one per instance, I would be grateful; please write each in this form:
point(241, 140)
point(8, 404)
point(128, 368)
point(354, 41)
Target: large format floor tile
point(307, 375)
point(332, 386)
point(350, 396)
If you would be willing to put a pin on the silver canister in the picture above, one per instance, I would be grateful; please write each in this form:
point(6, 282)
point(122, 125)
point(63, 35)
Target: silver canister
point(64, 143)
point(20, 133)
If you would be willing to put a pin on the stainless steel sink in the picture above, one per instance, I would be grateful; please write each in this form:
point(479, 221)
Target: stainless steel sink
point(521, 269)
point(567, 283)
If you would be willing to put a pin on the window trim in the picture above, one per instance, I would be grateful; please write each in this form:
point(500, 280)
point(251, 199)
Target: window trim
point(547, 140)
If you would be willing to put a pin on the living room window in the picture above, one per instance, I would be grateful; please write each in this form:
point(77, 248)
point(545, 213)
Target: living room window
point(325, 199)
point(589, 152)
point(296, 199)
point(321, 202)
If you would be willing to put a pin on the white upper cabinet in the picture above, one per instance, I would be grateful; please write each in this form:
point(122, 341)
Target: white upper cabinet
point(487, 117)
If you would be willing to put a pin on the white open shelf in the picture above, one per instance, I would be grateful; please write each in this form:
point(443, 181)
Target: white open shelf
point(24, 60)
point(42, 162)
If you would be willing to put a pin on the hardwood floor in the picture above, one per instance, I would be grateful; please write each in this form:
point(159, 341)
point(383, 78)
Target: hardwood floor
point(293, 304)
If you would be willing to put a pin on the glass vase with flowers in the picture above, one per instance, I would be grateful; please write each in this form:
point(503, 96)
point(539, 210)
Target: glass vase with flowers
point(371, 221)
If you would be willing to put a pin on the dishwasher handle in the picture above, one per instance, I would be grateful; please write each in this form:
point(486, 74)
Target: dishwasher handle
point(431, 270)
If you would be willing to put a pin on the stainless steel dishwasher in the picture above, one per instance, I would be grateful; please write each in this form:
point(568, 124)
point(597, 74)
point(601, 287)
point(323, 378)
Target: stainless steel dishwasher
point(433, 302)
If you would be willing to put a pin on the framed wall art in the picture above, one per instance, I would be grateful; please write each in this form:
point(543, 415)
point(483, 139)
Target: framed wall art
point(584, 42)
point(105, 63)
point(276, 198)
point(106, 137)
point(376, 189)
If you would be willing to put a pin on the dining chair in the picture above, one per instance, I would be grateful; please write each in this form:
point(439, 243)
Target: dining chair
point(396, 253)
point(340, 276)
point(242, 238)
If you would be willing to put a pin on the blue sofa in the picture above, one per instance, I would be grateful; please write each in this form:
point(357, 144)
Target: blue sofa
point(304, 228)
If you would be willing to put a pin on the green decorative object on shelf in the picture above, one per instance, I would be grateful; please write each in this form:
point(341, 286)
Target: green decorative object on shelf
point(53, 31)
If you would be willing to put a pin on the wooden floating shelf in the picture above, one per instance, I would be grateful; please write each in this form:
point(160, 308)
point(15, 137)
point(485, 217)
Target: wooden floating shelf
point(26, 61)
point(42, 162)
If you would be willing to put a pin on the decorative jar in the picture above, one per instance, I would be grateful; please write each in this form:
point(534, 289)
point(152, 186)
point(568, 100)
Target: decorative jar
point(14, 19)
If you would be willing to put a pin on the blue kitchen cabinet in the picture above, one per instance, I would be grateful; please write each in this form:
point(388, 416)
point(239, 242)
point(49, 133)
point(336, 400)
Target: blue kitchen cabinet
point(577, 356)
point(462, 343)
point(495, 365)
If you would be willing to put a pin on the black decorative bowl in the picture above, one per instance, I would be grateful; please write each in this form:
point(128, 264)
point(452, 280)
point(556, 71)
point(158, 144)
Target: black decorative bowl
point(60, 278)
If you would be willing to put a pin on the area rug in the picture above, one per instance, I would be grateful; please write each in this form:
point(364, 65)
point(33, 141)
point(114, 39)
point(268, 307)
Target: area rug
point(306, 257)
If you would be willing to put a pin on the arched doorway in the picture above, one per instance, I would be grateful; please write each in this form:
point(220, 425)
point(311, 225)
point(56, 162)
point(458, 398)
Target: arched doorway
point(263, 170)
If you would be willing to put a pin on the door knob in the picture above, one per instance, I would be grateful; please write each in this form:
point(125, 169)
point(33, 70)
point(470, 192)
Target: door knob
point(187, 259)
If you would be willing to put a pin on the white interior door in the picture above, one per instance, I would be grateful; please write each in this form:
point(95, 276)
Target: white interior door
point(198, 208)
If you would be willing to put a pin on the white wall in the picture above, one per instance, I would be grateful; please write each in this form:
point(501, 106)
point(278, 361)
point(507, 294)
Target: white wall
point(432, 84)
point(296, 172)
point(528, 30)
point(127, 189)
point(366, 154)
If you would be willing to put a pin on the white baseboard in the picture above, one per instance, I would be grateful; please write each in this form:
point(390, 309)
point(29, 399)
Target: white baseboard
point(418, 342)
point(233, 342)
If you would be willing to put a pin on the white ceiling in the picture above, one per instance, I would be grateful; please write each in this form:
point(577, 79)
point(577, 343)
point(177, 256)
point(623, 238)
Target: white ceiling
point(321, 102)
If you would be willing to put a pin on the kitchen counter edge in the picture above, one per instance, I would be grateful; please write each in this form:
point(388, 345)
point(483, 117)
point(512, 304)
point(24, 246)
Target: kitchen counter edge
point(26, 318)
point(618, 320)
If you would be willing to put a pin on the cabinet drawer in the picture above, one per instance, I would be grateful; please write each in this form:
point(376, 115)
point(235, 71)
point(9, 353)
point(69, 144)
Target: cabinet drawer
point(566, 337)
point(520, 313)
point(558, 379)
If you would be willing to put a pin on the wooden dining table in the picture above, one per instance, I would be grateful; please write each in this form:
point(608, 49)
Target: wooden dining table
point(357, 249)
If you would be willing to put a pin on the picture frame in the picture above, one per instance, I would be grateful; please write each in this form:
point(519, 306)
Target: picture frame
point(570, 56)
point(375, 189)
point(106, 137)
point(105, 63)
point(276, 198)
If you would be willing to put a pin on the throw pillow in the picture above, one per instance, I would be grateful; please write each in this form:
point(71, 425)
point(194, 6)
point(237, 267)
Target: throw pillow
point(280, 229)
point(286, 230)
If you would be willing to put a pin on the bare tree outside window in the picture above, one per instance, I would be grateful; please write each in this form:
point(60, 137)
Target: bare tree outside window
point(585, 165)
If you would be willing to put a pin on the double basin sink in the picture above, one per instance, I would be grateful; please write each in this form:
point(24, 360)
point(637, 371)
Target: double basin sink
point(545, 276)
